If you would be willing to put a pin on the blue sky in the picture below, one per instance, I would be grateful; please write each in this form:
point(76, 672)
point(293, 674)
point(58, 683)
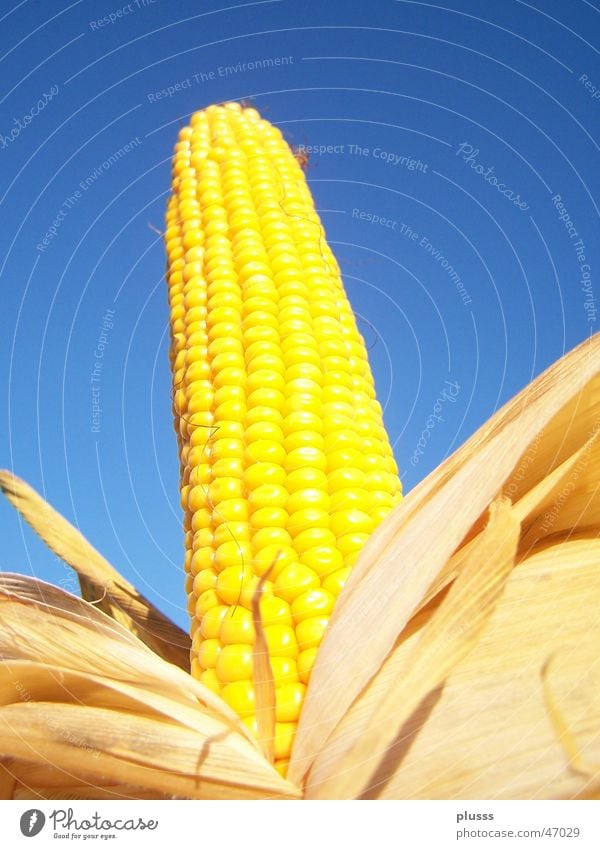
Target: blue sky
point(453, 156)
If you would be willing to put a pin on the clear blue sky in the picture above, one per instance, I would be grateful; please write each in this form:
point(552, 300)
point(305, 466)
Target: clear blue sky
point(465, 123)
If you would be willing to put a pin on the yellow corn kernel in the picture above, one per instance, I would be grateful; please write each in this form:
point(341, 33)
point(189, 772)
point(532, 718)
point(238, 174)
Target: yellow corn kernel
point(317, 602)
point(311, 497)
point(202, 561)
point(237, 532)
point(209, 678)
point(275, 611)
point(306, 661)
point(268, 495)
point(323, 560)
point(351, 544)
point(285, 670)
point(293, 580)
point(208, 654)
point(251, 587)
point(334, 582)
point(239, 695)
point(281, 640)
point(231, 553)
point(272, 558)
point(310, 631)
point(237, 626)
point(288, 701)
point(230, 583)
point(204, 580)
point(251, 724)
point(313, 537)
point(284, 737)
point(205, 602)
point(282, 766)
point(351, 521)
point(210, 624)
point(234, 662)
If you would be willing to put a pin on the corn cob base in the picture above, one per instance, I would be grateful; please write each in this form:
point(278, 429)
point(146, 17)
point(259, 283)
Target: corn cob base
point(285, 463)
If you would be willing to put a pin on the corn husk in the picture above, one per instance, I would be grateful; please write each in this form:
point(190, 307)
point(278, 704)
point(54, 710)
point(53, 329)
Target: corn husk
point(461, 661)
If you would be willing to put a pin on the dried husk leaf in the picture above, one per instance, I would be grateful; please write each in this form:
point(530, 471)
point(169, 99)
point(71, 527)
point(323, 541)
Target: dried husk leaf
point(160, 756)
point(574, 500)
point(540, 496)
point(82, 698)
point(8, 779)
point(450, 633)
point(491, 734)
point(100, 582)
point(262, 676)
point(71, 635)
point(35, 781)
point(537, 506)
point(409, 554)
point(570, 428)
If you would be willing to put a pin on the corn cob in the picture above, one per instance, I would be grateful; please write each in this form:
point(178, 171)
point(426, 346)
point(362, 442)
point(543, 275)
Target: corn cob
point(285, 463)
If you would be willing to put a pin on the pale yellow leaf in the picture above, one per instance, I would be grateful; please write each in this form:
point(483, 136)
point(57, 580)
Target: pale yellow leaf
point(490, 733)
point(100, 582)
point(8, 779)
point(573, 501)
point(160, 756)
point(264, 683)
point(534, 502)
